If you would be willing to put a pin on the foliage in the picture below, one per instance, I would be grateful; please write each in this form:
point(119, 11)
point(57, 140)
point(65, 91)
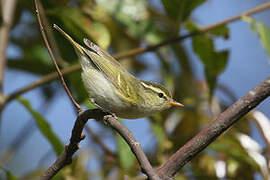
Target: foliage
point(9, 175)
point(126, 157)
point(118, 26)
point(44, 127)
point(262, 30)
point(214, 61)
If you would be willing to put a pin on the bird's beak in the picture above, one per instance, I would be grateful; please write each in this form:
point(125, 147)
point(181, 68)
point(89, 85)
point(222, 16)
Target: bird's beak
point(174, 103)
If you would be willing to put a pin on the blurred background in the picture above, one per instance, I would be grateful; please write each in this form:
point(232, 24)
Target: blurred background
point(207, 73)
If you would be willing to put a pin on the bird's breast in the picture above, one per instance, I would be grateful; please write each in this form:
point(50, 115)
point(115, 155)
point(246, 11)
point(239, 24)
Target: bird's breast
point(103, 92)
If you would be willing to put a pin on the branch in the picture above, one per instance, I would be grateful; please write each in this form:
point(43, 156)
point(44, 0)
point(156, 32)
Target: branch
point(44, 80)
point(66, 157)
point(49, 33)
point(225, 120)
point(50, 77)
point(8, 8)
point(38, 10)
point(194, 33)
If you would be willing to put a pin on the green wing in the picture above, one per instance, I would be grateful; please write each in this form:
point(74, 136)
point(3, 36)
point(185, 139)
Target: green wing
point(112, 70)
point(104, 62)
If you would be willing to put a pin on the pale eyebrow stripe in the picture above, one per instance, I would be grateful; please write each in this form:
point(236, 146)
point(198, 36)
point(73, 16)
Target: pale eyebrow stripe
point(151, 88)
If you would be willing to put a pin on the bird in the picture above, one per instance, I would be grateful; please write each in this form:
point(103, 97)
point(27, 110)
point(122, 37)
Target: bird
point(113, 89)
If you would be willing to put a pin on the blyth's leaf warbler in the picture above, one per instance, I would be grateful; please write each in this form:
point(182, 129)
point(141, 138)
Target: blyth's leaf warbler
point(112, 88)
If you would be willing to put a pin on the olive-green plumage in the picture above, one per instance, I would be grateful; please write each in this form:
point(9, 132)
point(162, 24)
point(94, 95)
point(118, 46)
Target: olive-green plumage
point(111, 87)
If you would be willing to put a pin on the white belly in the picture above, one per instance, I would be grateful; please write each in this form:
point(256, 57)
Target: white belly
point(101, 90)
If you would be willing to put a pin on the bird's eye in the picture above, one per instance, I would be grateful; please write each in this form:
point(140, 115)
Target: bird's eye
point(161, 95)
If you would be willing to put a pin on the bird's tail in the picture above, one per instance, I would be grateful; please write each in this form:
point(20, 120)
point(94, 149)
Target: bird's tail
point(84, 60)
point(75, 45)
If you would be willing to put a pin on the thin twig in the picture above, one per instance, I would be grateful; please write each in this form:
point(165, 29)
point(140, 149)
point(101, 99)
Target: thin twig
point(191, 34)
point(134, 146)
point(99, 142)
point(136, 51)
point(209, 134)
point(44, 80)
point(37, 4)
point(49, 33)
point(8, 9)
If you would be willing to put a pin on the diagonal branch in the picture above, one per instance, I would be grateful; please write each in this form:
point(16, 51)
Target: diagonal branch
point(194, 33)
point(225, 120)
point(66, 157)
point(44, 80)
point(50, 77)
point(183, 155)
point(49, 33)
point(38, 8)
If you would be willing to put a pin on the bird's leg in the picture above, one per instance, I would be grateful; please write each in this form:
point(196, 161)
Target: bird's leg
point(109, 113)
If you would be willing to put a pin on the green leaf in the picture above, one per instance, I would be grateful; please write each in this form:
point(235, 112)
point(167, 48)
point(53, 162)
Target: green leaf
point(214, 61)
point(44, 127)
point(178, 10)
point(125, 156)
point(159, 132)
point(38, 53)
point(222, 31)
point(9, 174)
point(261, 30)
point(100, 33)
point(76, 20)
point(35, 60)
point(132, 14)
point(77, 87)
